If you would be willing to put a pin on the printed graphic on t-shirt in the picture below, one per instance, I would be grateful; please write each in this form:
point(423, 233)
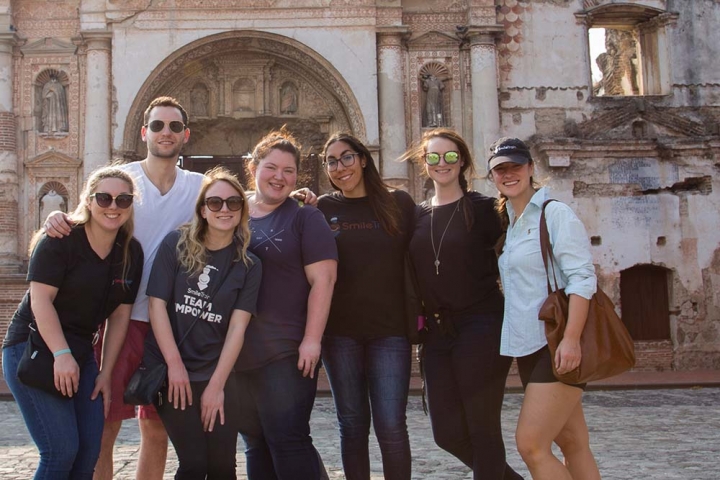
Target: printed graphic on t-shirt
point(196, 302)
point(269, 239)
point(338, 225)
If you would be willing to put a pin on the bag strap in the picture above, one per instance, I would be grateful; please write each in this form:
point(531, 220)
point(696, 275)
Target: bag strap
point(209, 301)
point(546, 248)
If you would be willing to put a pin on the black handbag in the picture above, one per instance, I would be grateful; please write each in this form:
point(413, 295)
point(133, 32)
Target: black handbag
point(145, 384)
point(36, 367)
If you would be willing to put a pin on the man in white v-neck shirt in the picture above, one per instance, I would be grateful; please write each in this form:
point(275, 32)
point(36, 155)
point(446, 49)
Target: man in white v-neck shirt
point(165, 200)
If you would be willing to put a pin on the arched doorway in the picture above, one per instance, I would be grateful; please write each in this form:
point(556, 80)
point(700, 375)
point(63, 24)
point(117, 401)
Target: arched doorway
point(238, 86)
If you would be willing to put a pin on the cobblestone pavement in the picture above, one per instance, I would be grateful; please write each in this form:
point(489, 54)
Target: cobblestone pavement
point(635, 434)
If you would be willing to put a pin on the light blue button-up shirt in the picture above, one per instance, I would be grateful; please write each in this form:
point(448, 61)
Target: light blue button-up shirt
point(523, 274)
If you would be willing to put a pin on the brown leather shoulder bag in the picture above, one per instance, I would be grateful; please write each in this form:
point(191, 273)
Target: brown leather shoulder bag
point(607, 348)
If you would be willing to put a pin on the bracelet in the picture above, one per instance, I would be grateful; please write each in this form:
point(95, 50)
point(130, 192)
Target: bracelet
point(62, 352)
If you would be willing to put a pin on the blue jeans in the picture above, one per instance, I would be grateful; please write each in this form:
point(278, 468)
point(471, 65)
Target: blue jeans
point(67, 432)
point(370, 375)
point(275, 403)
point(465, 381)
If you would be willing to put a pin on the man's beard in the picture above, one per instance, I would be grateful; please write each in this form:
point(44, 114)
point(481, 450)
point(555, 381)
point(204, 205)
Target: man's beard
point(157, 151)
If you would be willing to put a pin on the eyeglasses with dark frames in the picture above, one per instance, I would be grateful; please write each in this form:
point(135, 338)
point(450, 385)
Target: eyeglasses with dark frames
point(215, 204)
point(104, 200)
point(158, 125)
point(433, 158)
point(347, 159)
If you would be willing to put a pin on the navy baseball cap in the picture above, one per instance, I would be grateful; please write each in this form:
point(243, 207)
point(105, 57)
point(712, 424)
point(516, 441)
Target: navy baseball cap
point(508, 149)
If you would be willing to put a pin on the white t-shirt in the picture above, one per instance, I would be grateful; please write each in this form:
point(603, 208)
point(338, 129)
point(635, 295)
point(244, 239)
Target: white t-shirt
point(157, 215)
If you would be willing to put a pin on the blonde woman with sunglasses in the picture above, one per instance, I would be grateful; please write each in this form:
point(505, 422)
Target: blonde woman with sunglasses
point(203, 289)
point(76, 282)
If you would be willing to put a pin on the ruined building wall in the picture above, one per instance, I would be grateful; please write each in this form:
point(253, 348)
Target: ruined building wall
point(642, 172)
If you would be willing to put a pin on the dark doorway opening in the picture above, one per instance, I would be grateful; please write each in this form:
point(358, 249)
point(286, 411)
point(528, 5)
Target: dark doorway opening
point(645, 302)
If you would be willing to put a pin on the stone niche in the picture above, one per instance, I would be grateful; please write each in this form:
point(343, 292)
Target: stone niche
point(49, 172)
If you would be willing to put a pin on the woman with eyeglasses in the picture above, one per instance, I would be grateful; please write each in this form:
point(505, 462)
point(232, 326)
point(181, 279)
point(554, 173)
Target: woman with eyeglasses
point(452, 252)
point(277, 368)
point(366, 352)
point(76, 282)
point(203, 290)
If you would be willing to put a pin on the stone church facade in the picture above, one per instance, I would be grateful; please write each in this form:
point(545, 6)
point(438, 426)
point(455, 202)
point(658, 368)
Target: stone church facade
point(635, 150)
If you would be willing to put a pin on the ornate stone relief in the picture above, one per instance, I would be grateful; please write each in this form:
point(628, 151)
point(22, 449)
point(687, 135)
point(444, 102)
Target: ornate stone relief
point(251, 76)
point(425, 22)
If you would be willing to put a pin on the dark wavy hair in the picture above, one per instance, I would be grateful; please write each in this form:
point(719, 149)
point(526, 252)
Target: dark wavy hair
point(382, 202)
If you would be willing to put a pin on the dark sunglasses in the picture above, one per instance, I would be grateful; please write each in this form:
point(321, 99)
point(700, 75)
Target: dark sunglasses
point(104, 200)
point(451, 158)
point(158, 125)
point(215, 204)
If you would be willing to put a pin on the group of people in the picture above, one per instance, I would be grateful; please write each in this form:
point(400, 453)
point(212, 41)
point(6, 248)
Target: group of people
point(243, 295)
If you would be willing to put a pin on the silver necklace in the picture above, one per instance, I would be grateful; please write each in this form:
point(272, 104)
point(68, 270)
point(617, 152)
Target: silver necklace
point(432, 235)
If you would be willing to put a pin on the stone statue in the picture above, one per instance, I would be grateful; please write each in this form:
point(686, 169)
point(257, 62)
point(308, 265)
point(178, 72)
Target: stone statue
point(50, 202)
point(288, 99)
point(199, 101)
point(54, 107)
point(433, 88)
point(618, 65)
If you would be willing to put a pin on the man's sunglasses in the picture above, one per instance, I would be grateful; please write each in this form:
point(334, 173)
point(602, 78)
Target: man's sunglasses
point(451, 158)
point(215, 204)
point(104, 200)
point(158, 125)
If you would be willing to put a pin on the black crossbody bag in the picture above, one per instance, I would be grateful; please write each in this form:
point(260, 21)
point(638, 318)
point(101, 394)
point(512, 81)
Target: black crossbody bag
point(148, 380)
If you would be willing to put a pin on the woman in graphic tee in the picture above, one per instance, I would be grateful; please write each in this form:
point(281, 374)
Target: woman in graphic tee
point(277, 369)
point(366, 352)
point(203, 290)
point(76, 282)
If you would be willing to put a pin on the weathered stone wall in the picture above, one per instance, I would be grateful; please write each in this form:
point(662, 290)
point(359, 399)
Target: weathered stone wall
point(641, 172)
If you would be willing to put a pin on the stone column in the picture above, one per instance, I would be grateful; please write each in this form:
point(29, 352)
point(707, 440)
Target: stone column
point(485, 100)
point(391, 96)
point(9, 184)
point(97, 100)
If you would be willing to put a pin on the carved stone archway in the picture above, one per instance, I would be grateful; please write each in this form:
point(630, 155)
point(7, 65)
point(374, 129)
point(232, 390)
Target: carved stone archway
point(244, 72)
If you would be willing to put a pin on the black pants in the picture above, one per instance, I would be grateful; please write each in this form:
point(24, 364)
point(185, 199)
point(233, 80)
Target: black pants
point(203, 455)
point(465, 381)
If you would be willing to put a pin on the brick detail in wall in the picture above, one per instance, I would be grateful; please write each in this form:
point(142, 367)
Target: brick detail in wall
point(8, 139)
point(8, 217)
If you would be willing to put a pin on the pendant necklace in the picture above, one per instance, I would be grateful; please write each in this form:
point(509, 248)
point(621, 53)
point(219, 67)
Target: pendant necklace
point(432, 235)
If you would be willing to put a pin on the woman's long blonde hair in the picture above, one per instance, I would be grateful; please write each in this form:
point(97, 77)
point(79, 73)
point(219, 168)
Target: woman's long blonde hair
point(191, 250)
point(81, 215)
